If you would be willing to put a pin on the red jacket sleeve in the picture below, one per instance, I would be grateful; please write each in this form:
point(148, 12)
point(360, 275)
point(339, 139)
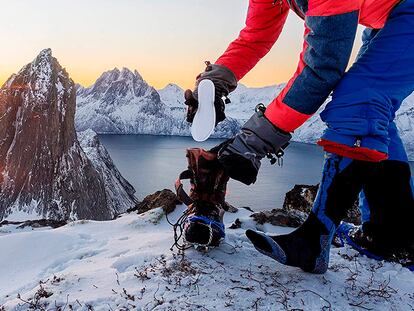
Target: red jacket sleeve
point(330, 28)
point(264, 23)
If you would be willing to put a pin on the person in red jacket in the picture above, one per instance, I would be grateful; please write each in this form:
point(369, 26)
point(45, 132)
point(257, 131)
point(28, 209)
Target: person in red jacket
point(364, 153)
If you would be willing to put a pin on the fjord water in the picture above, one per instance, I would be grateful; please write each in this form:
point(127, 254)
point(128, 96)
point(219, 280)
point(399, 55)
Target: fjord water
point(152, 163)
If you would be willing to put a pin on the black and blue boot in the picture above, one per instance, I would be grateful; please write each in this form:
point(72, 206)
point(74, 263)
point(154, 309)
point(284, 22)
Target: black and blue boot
point(308, 246)
point(387, 204)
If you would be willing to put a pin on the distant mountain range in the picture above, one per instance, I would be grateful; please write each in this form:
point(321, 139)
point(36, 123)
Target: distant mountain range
point(121, 102)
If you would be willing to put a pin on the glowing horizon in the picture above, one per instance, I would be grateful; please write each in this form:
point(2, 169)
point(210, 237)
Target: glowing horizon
point(165, 42)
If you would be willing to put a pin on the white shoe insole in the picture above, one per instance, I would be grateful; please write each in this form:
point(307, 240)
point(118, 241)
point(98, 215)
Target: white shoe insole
point(205, 119)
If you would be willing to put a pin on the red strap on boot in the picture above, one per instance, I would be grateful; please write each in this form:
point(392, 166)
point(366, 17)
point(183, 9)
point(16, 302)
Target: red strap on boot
point(181, 194)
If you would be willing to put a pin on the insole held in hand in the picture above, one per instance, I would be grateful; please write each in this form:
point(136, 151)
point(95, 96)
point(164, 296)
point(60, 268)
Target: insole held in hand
point(205, 119)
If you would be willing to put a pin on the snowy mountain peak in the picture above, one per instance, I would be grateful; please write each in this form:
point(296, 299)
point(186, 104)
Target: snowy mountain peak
point(138, 75)
point(42, 63)
point(126, 74)
point(44, 73)
point(173, 96)
point(105, 80)
point(118, 102)
point(46, 53)
point(172, 87)
point(122, 83)
point(43, 82)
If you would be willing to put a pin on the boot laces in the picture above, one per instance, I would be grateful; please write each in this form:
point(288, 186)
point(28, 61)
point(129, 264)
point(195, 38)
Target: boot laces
point(179, 228)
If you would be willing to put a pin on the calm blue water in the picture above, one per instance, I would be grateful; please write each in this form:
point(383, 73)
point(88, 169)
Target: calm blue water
point(151, 163)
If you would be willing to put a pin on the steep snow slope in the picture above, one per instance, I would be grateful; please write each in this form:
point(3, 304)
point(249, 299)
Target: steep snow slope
point(125, 264)
point(120, 194)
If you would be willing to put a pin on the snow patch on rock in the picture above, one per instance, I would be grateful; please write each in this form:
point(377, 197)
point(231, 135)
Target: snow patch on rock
point(120, 193)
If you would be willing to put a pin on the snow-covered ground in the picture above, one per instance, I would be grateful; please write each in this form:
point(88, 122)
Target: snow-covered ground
point(126, 264)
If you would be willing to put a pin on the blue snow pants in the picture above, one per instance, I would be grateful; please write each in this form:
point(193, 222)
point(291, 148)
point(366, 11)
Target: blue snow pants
point(365, 102)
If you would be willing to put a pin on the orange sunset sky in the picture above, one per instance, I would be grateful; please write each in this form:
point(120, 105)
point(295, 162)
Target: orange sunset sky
point(166, 41)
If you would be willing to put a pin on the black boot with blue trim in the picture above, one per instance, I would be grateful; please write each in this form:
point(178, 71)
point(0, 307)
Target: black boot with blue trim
point(388, 208)
point(308, 246)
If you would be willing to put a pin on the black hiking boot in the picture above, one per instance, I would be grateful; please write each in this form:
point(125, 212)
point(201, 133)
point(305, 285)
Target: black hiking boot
point(389, 196)
point(204, 225)
point(388, 210)
point(360, 239)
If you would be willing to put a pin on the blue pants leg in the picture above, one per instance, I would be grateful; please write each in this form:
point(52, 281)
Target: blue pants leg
point(363, 109)
point(396, 150)
point(365, 101)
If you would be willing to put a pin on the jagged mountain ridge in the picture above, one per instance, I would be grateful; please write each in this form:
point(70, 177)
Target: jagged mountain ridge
point(44, 172)
point(113, 103)
point(121, 102)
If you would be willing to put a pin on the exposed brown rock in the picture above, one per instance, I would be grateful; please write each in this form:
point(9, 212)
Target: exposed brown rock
point(301, 199)
point(297, 206)
point(168, 200)
point(165, 198)
point(279, 217)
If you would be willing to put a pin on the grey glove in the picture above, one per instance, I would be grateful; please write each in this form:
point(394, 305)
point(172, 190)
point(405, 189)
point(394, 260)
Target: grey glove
point(258, 138)
point(224, 81)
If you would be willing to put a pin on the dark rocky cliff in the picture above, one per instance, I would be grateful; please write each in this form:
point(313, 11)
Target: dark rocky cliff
point(44, 173)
